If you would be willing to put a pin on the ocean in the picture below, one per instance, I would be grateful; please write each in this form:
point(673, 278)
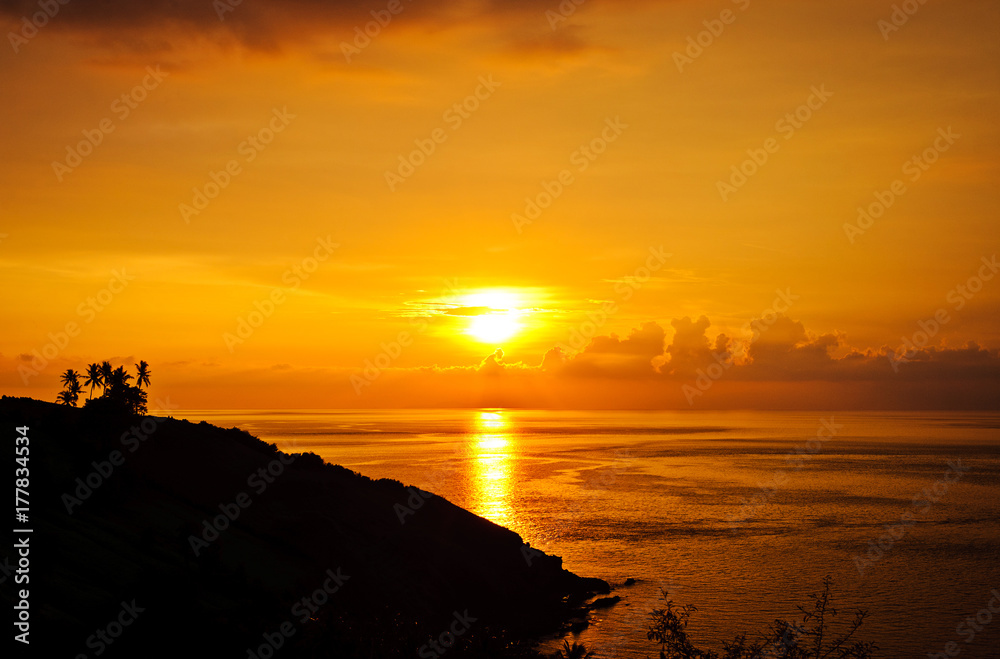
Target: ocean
point(741, 514)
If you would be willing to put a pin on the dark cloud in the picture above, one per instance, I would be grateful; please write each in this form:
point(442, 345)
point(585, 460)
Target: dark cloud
point(544, 42)
point(784, 350)
point(270, 24)
point(689, 349)
point(554, 360)
point(780, 352)
point(645, 341)
point(610, 356)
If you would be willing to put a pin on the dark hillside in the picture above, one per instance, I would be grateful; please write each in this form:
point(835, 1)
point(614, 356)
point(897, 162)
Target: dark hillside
point(302, 525)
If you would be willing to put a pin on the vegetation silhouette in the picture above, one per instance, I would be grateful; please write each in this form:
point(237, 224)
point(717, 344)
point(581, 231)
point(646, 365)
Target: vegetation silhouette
point(404, 577)
point(95, 377)
point(106, 373)
point(575, 651)
point(142, 374)
point(71, 394)
point(814, 638)
point(128, 535)
point(117, 397)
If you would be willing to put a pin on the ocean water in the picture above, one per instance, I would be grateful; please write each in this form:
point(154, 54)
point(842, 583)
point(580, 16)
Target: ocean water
point(741, 514)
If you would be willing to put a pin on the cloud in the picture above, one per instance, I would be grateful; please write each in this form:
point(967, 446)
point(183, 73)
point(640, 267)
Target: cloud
point(784, 367)
point(269, 25)
point(689, 349)
point(468, 311)
point(493, 364)
point(789, 368)
point(784, 350)
point(610, 356)
point(554, 360)
point(543, 42)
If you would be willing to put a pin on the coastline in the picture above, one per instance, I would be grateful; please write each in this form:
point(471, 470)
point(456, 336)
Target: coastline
point(261, 545)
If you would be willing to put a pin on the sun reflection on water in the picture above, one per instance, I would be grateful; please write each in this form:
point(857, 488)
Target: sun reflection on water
point(491, 453)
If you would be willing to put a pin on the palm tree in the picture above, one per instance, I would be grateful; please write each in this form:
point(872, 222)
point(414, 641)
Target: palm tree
point(120, 378)
point(69, 377)
point(75, 390)
point(70, 396)
point(95, 377)
point(142, 376)
point(106, 374)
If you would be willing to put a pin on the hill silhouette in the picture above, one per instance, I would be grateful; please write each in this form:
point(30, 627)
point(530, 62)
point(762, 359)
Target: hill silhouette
point(232, 548)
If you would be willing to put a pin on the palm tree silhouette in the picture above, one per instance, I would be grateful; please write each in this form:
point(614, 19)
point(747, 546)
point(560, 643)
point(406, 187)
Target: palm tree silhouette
point(119, 378)
point(95, 377)
point(69, 377)
point(142, 376)
point(106, 374)
point(75, 389)
point(71, 380)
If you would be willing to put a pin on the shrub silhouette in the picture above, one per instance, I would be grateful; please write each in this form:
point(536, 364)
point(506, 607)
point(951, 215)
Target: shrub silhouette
point(575, 651)
point(812, 639)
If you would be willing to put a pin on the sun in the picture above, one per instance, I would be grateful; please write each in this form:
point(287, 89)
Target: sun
point(498, 318)
point(494, 327)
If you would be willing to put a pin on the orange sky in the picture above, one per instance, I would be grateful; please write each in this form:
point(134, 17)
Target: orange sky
point(609, 116)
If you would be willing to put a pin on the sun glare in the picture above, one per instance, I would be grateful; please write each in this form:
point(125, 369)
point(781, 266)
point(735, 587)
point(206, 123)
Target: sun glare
point(499, 318)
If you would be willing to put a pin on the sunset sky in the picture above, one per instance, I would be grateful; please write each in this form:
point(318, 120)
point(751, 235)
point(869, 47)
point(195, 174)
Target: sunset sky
point(614, 295)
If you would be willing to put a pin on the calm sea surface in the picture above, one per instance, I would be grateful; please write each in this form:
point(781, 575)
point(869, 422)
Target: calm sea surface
point(741, 514)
